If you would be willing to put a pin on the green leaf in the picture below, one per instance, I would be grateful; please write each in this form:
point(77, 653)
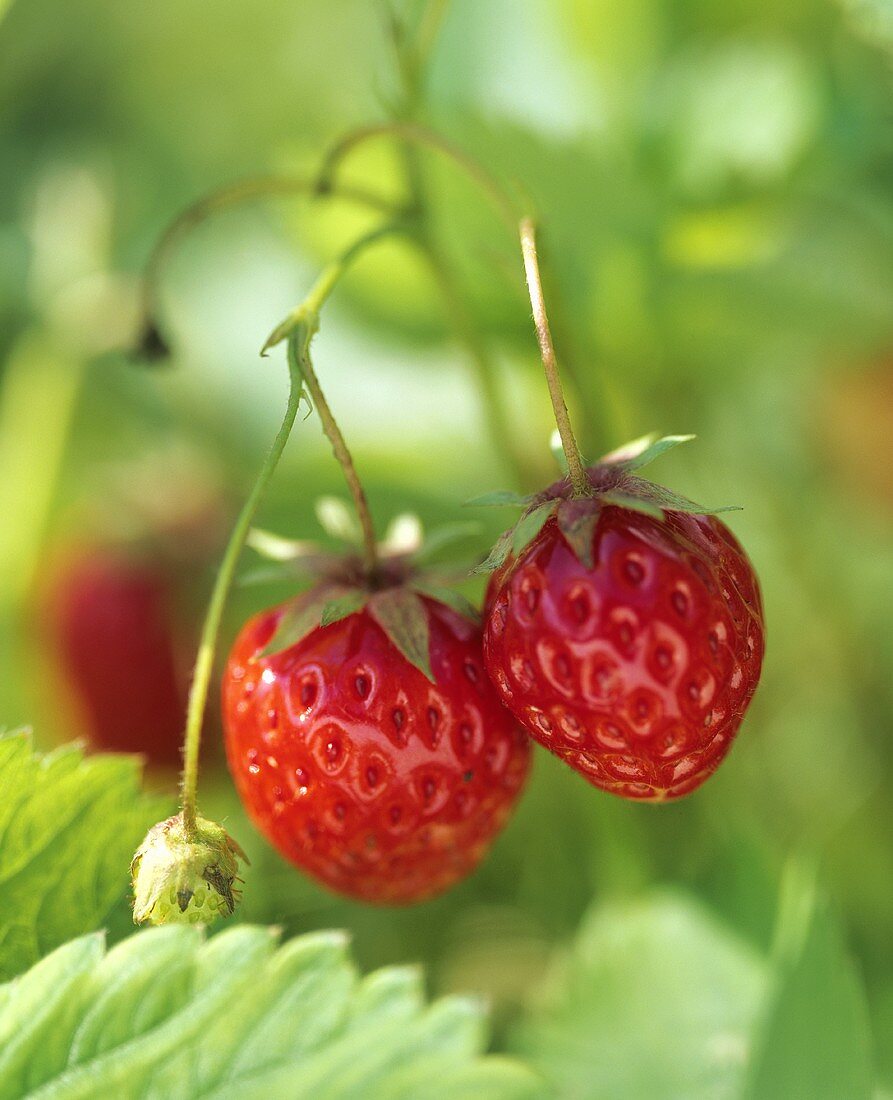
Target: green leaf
point(530, 525)
point(345, 605)
point(448, 596)
point(236, 1017)
point(402, 616)
point(656, 999)
point(69, 825)
point(814, 1035)
point(302, 615)
point(500, 498)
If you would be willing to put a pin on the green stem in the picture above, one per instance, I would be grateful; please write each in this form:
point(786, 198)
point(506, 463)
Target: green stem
point(204, 663)
point(575, 466)
point(306, 315)
point(231, 195)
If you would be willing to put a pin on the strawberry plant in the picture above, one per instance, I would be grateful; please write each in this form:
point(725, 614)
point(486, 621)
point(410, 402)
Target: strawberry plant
point(393, 866)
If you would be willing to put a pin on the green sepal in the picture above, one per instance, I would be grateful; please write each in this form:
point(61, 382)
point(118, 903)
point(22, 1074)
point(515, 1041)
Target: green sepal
point(530, 525)
point(299, 328)
point(402, 616)
point(498, 553)
point(640, 452)
point(338, 521)
point(499, 498)
point(577, 520)
point(669, 501)
point(636, 504)
point(275, 548)
point(345, 605)
point(303, 615)
point(449, 596)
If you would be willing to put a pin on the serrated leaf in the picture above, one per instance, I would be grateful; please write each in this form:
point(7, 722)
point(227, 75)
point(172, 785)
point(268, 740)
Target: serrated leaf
point(345, 605)
point(448, 596)
point(169, 1013)
point(641, 452)
point(577, 520)
point(446, 535)
point(498, 553)
point(655, 999)
point(814, 1034)
point(338, 521)
point(530, 525)
point(402, 616)
point(69, 825)
point(301, 616)
point(500, 498)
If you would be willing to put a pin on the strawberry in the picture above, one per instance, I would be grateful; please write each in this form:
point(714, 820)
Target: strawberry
point(362, 732)
point(110, 619)
point(625, 630)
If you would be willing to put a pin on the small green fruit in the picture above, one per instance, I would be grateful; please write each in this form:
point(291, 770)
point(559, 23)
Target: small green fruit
point(185, 876)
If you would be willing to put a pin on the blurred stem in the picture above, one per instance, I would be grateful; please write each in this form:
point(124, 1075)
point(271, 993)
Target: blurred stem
point(235, 194)
point(37, 404)
point(413, 57)
point(499, 198)
point(204, 664)
point(575, 467)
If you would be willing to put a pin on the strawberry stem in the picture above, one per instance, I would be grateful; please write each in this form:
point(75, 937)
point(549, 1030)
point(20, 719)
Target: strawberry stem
point(204, 664)
point(575, 467)
point(306, 316)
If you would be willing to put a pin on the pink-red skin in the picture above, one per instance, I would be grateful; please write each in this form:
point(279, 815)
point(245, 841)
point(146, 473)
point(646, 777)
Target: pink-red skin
point(376, 782)
point(637, 672)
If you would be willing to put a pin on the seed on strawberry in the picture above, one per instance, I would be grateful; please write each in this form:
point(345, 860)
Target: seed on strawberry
point(383, 784)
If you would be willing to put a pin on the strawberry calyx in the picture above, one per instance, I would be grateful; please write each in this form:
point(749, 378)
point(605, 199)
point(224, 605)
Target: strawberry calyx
point(341, 585)
point(613, 481)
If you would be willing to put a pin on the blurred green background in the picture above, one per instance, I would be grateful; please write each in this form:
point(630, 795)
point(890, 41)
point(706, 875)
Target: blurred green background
point(715, 186)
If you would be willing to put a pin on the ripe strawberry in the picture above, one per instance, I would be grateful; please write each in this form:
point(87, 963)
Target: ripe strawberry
point(625, 631)
point(110, 618)
point(382, 783)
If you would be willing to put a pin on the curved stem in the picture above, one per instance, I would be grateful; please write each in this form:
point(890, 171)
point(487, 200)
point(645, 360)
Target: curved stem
point(204, 664)
point(305, 318)
point(421, 135)
point(345, 461)
point(235, 194)
point(575, 467)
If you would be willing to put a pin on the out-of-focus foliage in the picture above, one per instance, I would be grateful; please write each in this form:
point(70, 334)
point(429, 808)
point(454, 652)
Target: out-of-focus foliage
point(715, 188)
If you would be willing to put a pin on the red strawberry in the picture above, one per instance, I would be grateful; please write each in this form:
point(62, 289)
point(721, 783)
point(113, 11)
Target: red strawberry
point(112, 623)
point(626, 634)
point(382, 783)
